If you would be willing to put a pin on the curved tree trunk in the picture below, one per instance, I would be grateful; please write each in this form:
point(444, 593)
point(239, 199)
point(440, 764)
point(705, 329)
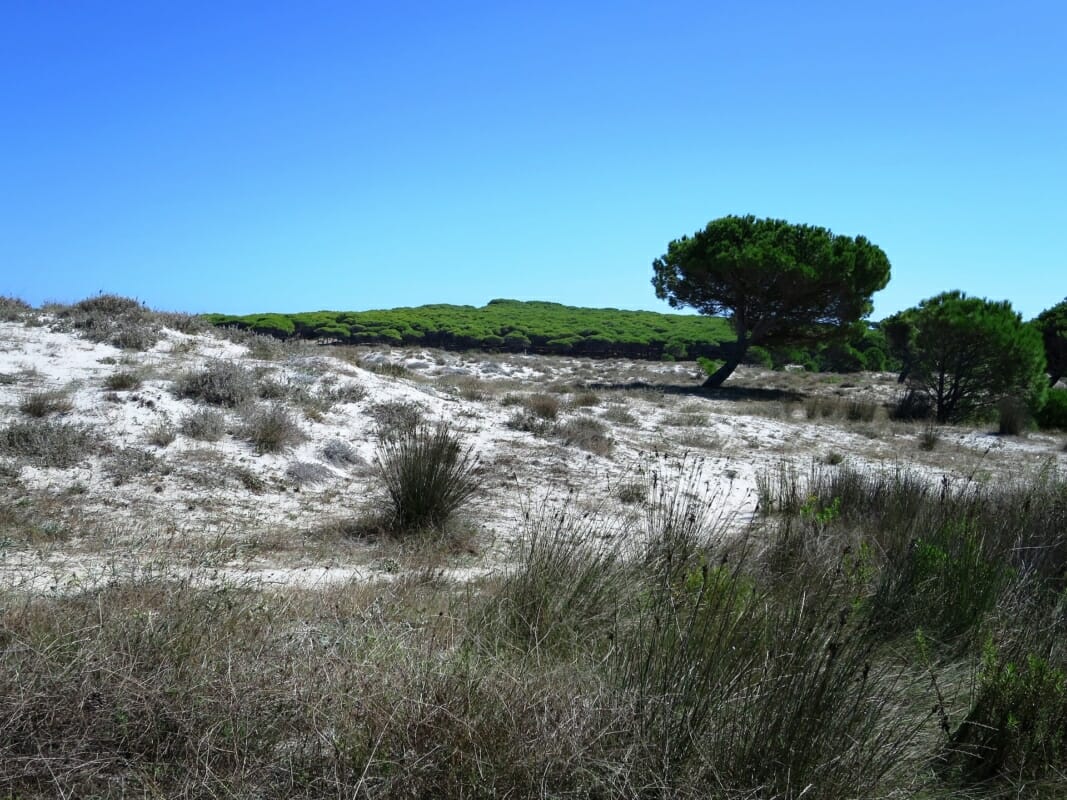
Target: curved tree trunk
point(716, 379)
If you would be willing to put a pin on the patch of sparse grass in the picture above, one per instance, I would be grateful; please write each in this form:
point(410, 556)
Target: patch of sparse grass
point(249, 479)
point(162, 435)
point(265, 348)
point(585, 399)
point(123, 380)
point(470, 388)
point(396, 419)
point(390, 370)
point(220, 383)
point(44, 443)
point(271, 430)
point(619, 414)
point(686, 420)
point(860, 410)
point(341, 454)
point(306, 473)
point(543, 406)
point(130, 463)
point(41, 404)
point(586, 433)
point(205, 425)
point(428, 476)
point(528, 422)
point(632, 492)
point(929, 437)
point(337, 393)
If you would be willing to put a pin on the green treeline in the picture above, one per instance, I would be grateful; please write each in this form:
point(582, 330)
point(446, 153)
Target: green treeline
point(506, 325)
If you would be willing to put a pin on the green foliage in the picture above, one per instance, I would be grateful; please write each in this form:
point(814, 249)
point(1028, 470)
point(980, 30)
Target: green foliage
point(758, 355)
point(780, 284)
point(1017, 724)
point(1052, 325)
point(428, 476)
point(944, 583)
point(1053, 414)
point(967, 353)
point(508, 325)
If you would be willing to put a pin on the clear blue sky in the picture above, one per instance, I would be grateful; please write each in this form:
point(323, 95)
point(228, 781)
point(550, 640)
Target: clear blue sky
point(240, 157)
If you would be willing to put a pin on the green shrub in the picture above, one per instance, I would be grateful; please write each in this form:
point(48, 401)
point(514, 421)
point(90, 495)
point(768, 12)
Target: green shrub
point(760, 356)
point(1053, 414)
point(428, 476)
point(945, 583)
point(1017, 723)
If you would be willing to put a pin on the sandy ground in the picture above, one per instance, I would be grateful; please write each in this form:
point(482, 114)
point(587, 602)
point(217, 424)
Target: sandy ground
point(134, 507)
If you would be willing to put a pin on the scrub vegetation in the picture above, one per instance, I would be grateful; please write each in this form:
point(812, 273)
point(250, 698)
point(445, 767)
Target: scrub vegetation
point(856, 627)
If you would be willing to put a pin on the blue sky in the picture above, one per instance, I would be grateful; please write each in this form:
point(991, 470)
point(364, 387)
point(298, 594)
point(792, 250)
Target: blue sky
point(259, 156)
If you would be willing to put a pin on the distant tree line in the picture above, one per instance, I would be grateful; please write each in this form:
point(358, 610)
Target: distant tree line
point(505, 326)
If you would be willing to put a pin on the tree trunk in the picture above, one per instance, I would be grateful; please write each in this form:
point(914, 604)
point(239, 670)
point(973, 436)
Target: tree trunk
point(734, 355)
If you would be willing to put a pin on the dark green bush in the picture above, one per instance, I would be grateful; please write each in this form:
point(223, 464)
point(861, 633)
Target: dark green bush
point(1017, 723)
point(1053, 414)
point(428, 476)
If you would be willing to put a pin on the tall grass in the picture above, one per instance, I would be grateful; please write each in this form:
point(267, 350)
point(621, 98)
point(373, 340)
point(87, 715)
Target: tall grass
point(647, 656)
point(428, 476)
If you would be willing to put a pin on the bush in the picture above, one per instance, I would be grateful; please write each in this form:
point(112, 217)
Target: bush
point(41, 404)
point(221, 383)
point(305, 473)
point(206, 425)
point(1017, 723)
point(120, 321)
point(13, 309)
point(47, 444)
point(162, 434)
point(427, 475)
point(122, 381)
point(911, 406)
point(341, 453)
point(1053, 413)
point(272, 430)
point(543, 406)
point(587, 433)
